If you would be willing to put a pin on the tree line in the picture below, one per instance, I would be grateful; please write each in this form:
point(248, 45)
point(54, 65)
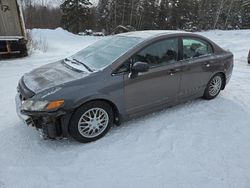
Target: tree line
point(40, 15)
point(190, 15)
point(174, 14)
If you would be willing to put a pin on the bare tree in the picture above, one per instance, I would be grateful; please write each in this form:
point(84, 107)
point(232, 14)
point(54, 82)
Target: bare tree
point(218, 13)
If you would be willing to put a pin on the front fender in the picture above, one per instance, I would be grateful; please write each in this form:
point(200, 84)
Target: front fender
point(97, 96)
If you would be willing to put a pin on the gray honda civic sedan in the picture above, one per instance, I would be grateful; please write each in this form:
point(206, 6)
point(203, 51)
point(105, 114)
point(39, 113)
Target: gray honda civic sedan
point(118, 78)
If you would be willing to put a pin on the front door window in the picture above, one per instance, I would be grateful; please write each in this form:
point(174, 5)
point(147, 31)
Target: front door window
point(159, 54)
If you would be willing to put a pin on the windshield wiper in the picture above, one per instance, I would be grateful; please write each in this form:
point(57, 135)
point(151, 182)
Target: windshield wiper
point(75, 61)
point(87, 67)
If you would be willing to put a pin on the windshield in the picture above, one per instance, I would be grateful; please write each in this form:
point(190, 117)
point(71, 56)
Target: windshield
point(104, 52)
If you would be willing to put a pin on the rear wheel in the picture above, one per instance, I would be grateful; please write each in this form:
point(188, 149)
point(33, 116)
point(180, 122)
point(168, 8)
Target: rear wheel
point(214, 87)
point(91, 121)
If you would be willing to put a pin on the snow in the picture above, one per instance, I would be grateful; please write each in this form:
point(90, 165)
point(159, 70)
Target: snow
point(10, 38)
point(149, 33)
point(56, 3)
point(50, 76)
point(197, 144)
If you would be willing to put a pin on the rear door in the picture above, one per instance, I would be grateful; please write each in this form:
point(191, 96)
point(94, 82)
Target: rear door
point(198, 60)
point(160, 84)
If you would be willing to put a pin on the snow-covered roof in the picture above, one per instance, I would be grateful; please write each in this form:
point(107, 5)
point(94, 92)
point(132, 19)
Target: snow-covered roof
point(149, 33)
point(9, 38)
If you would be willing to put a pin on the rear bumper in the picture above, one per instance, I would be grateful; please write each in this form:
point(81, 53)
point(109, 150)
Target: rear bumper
point(248, 57)
point(50, 125)
point(229, 71)
point(228, 78)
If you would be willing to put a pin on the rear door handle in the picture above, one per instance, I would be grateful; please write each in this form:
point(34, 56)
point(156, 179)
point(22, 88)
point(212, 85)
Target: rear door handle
point(176, 70)
point(211, 62)
point(173, 71)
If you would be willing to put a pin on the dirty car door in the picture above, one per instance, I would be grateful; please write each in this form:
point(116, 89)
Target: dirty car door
point(198, 61)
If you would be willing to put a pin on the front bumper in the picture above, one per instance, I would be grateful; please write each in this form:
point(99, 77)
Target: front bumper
point(50, 125)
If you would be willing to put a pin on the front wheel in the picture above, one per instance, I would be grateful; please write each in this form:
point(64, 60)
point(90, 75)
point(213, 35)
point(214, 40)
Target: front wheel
point(214, 87)
point(91, 121)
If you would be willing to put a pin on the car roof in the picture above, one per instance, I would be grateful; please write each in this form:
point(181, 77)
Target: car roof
point(150, 33)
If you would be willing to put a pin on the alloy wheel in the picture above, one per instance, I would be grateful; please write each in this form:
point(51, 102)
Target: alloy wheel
point(93, 122)
point(215, 86)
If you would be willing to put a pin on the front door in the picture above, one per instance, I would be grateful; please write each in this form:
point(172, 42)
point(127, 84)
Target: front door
point(160, 84)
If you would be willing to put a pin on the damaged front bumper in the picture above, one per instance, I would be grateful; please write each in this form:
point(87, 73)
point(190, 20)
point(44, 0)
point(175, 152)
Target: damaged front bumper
point(26, 119)
point(50, 125)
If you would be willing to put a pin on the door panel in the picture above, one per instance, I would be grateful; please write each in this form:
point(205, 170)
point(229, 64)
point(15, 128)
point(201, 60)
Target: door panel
point(198, 64)
point(152, 89)
point(157, 86)
point(195, 75)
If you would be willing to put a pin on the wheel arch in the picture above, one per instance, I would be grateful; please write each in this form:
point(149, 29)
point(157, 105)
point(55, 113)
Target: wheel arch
point(73, 125)
point(112, 105)
point(224, 79)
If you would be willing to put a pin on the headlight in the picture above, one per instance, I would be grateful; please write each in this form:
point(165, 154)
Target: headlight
point(32, 105)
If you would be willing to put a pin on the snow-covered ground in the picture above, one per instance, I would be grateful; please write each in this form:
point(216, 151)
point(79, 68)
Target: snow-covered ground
point(56, 3)
point(197, 144)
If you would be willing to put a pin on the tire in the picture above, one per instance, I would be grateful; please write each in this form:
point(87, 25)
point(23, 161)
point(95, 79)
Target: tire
point(214, 87)
point(91, 121)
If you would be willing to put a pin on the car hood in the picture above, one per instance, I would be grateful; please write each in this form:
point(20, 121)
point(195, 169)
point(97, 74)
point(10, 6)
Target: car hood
point(51, 75)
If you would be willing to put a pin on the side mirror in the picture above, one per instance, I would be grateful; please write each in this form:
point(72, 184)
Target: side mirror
point(139, 67)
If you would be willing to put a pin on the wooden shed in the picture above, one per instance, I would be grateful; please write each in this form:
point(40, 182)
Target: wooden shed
point(12, 29)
